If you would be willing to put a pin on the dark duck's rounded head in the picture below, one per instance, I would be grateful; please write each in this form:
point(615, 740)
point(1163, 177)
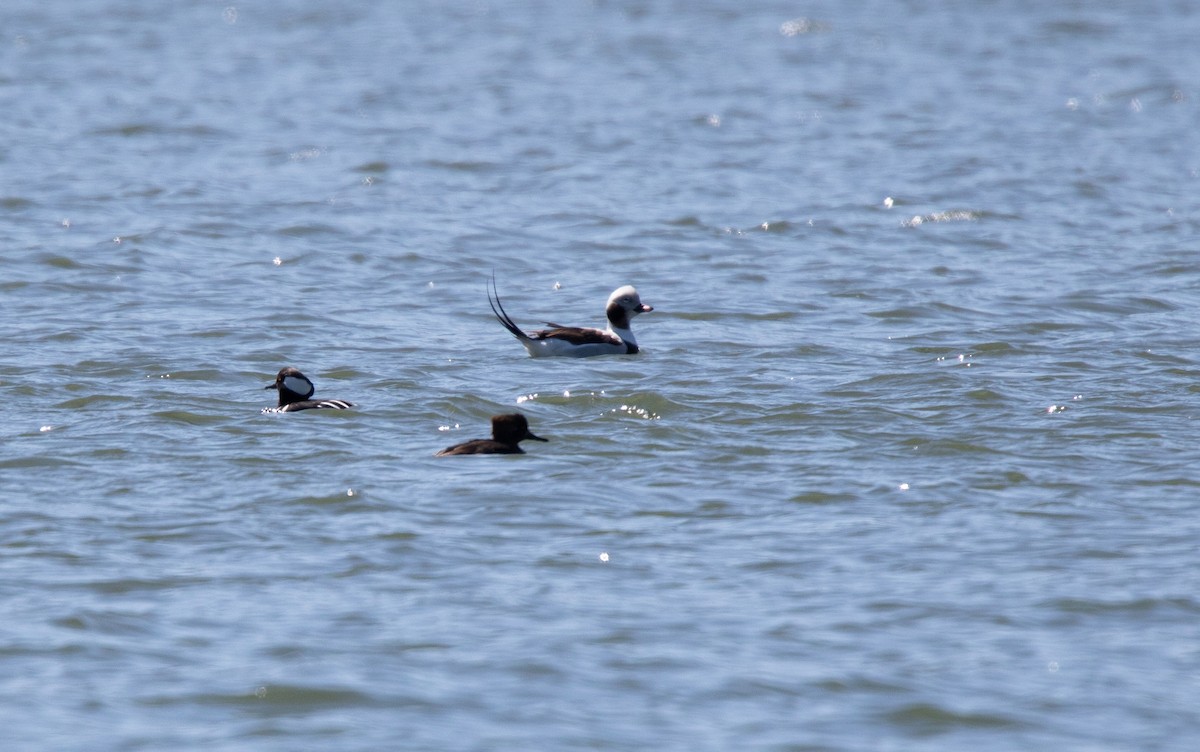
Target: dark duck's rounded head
point(512, 429)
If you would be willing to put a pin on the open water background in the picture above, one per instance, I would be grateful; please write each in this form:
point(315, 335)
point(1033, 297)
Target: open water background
point(918, 474)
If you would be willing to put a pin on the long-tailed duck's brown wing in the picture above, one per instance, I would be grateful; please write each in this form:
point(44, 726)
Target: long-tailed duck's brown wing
point(577, 335)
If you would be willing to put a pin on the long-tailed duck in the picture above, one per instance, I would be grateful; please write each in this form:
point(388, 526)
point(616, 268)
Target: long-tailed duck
point(580, 342)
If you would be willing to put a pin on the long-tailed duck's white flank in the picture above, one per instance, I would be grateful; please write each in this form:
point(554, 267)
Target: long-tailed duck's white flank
point(579, 342)
point(295, 389)
point(508, 431)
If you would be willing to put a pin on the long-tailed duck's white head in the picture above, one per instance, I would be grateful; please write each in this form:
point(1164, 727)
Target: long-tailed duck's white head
point(623, 305)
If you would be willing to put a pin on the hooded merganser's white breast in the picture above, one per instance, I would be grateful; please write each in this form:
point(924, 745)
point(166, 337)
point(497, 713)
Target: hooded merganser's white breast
point(295, 390)
point(580, 342)
point(508, 431)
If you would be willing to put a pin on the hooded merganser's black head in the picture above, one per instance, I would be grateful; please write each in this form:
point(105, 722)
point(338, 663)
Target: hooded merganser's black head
point(293, 386)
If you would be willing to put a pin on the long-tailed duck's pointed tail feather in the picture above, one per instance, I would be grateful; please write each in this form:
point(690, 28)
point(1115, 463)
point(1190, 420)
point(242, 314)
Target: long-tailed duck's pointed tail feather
point(501, 314)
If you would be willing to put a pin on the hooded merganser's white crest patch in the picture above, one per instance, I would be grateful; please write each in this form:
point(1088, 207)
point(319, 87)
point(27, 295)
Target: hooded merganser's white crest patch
point(579, 342)
point(299, 385)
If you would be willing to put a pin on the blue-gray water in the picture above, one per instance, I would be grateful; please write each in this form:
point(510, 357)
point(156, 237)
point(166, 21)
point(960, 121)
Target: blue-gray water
point(909, 460)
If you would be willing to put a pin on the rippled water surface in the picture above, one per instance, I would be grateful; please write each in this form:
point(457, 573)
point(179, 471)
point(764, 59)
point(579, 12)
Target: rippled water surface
point(908, 461)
